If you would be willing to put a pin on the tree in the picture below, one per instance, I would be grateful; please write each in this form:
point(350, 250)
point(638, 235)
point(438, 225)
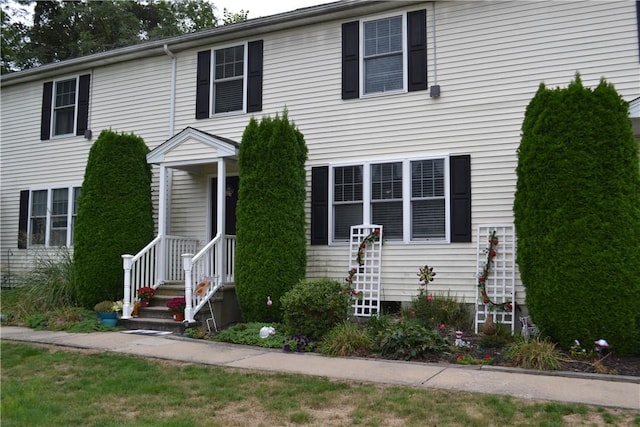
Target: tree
point(577, 215)
point(114, 215)
point(70, 29)
point(271, 243)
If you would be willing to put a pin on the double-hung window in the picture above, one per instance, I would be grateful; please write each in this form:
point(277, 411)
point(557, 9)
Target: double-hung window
point(383, 55)
point(407, 197)
point(64, 107)
point(52, 216)
point(229, 79)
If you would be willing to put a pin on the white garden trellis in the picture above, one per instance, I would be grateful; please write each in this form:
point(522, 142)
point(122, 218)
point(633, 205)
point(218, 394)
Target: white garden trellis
point(365, 280)
point(500, 282)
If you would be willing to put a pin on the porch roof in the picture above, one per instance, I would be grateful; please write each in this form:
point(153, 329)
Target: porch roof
point(192, 147)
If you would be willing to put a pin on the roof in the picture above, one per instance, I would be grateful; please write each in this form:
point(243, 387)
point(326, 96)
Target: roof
point(250, 28)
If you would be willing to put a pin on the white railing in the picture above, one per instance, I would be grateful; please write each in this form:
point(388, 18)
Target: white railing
point(213, 267)
point(156, 263)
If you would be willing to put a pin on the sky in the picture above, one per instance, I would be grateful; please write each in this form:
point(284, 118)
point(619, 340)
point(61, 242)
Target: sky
point(258, 8)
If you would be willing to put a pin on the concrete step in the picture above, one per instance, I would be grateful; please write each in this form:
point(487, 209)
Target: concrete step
point(153, 324)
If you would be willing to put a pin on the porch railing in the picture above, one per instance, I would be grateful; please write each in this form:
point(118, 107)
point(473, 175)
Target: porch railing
point(156, 263)
point(212, 267)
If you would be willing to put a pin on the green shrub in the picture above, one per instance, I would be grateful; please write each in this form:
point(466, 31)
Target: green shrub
point(409, 340)
point(501, 338)
point(534, 354)
point(103, 307)
point(271, 240)
point(312, 308)
point(577, 213)
point(436, 309)
point(114, 215)
point(346, 339)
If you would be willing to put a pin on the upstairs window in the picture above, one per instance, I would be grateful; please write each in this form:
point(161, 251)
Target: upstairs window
point(383, 55)
point(64, 111)
point(228, 81)
point(65, 107)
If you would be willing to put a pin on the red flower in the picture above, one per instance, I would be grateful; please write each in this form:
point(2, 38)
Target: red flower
point(377, 231)
point(487, 356)
point(460, 357)
point(509, 306)
point(482, 279)
point(492, 253)
point(486, 300)
point(443, 326)
point(429, 298)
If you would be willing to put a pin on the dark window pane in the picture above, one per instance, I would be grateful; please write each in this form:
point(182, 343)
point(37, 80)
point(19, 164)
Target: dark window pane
point(228, 96)
point(344, 216)
point(389, 215)
point(427, 219)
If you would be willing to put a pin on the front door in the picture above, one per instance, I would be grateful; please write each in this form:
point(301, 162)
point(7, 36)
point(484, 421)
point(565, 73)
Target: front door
point(230, 206)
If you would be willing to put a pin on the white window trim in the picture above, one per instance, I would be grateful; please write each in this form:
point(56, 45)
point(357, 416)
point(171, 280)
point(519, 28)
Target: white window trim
point(47, 237)
point(212, 74)
point(52, 126)
point(405, 60)
point(406, 196)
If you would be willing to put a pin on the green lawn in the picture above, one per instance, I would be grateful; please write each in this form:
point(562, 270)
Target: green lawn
point(47, 386)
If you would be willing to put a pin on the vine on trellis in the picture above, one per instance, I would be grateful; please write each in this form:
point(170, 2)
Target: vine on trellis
point(482, 277)
point(374, 236)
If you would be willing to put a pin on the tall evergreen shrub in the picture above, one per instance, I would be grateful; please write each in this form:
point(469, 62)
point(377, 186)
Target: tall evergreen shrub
point(577, 215)
point(271, 244)
point(114, 214)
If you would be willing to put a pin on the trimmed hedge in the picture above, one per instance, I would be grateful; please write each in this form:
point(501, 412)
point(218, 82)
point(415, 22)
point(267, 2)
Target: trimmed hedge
point(114, 215)
point(271, 244)
point(577, 215)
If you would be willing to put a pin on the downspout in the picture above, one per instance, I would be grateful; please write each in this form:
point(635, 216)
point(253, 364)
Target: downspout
point(168, 173)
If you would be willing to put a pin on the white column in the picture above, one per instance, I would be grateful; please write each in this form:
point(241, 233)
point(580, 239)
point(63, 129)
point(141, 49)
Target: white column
point(127, 308)
point(187, 260)
point(222, 197)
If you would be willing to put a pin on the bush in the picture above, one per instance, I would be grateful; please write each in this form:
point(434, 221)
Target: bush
point(440, 309)
point(346, 339)
point(249, 334)
point(271, 239)
point(114, 215)
point(103, 307)
point(313, 308)
point(409, 340)
point(577, 212)
point(534, 354)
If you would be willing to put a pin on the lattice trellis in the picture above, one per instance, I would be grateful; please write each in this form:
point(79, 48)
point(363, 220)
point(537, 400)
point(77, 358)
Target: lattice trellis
point(366, 280)
point(500, 283)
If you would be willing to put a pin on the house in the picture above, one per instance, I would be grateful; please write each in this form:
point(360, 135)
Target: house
point(411, 112)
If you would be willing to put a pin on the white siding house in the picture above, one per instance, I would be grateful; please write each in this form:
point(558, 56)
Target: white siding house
point(359, 79)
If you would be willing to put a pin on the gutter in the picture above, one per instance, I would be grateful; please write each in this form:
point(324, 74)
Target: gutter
point(172, 98)
point(251, 28)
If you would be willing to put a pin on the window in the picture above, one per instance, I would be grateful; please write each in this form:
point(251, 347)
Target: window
point(229, 79)
point(408, 198)
point(52, 216)
point(65, 107)
point(386, 54)
point(383, 55)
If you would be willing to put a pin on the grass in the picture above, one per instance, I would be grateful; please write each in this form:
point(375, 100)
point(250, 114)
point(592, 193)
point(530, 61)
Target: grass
point(99, 389)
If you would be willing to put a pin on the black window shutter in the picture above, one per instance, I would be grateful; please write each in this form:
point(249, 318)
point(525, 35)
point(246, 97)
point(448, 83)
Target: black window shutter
point(45, 122)
point(350, 60)
point(417, 46)
point(254, 76)
point(23, 219)
point(460, 182)
point(202, 84)
point(83, 104)
point(320, 205)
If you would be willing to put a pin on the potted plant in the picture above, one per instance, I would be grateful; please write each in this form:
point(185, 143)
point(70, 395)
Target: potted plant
point(177, 305)
point(145, 294)
point(106, 313)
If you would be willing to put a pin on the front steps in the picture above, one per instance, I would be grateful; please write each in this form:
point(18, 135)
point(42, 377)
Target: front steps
point(157, 316)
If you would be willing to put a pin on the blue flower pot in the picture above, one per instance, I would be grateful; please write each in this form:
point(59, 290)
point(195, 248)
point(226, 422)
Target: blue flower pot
point(108, 319)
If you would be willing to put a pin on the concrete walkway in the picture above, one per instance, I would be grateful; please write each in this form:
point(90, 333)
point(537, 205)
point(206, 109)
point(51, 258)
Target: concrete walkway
point(592, 389)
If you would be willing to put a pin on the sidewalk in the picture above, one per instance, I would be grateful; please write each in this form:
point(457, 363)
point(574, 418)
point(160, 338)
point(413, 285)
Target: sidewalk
point(590, 389)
